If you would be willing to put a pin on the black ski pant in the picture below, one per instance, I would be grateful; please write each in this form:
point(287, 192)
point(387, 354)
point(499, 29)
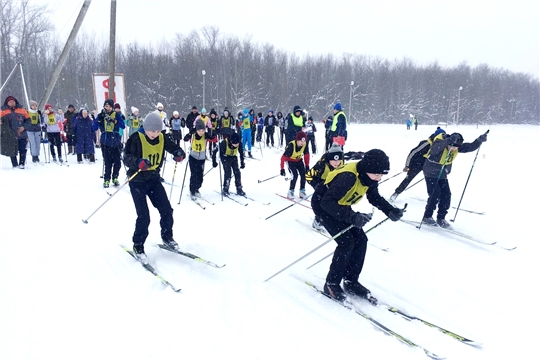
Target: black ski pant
point(411, 174)
point(439, 194)
point(350, 252)
point(230, 166)
point(270, 135)
point(54, 140)
point(281, 136)
point(111, 161)
point(329, 141)
point(297, 168)
point(311, 140)
point(158, 197)
point(196, 168)
point(177, 136)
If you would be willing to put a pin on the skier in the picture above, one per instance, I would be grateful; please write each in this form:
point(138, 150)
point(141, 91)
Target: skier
point(327, 137)
point(437, 167)
point(338, 128)
point(294, 151)
point(145, 152)
point(53, 122)
point(270, 122)
point(225, 123)
point(415, 162)
point(295, 123)
point(197, 157)
point(175, 123)
point(228, 149)
point(15, 120)
point(163, 115)
point(281, 125)
point(34, 130)
point(333, 202)
point(246, 130)
point(318, 173)
point(134, 121)
point(109, 123)
point(311, 129)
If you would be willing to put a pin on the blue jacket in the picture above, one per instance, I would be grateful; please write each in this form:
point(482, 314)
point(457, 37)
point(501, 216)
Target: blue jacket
point(109, 125)
point(83, 130)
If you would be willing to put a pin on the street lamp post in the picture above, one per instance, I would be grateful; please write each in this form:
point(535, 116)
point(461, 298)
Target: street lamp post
point(203, 94)
point(350, 100)
point(458, 98)
point(512, 109)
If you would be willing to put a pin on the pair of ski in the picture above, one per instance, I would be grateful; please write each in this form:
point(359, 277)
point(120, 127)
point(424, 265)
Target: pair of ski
point(230, 197)
point(454, 207)
point(349, 305)
point(296, 201)
point(154, 272)
point(457, 233)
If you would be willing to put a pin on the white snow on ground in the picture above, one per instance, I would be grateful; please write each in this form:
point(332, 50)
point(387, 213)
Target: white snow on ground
point(68, 291)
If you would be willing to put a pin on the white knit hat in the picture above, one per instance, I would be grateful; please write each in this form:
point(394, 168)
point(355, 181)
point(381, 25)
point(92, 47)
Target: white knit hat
point(159, 105)
point(134, 109)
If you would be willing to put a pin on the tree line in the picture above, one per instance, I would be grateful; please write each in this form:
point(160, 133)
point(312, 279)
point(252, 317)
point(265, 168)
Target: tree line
point(242, 74)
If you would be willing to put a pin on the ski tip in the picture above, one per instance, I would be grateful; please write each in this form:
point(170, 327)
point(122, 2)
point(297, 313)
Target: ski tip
point(85, 221)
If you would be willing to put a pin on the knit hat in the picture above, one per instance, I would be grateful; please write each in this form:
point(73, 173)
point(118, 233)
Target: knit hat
point(375, 162)
point(203, 111)
point(459, 140)
point(271, 111)
point(70, 106)
point(175, 113)
point(235, 138)
point(159, 105)
point(10, 98)
point(117, 106)
point(199, 125)
point(33, 102)
point(301, 136)
point(48, 106)
point(193, 107)
point(246, 112)
point(335, 152)
point(337, 106)
point(134, 109)
point(109, 102)
point(297, 108)
point(152, 122)
point(438, 131)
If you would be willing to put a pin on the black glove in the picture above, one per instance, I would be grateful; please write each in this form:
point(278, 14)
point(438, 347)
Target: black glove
point(482, 138)
point(144, 164)
point(214, 163)
point(187, 137)
point(307, 170)
point(282, 172)
point(360, 219)
point(179, 155)
point(395, 214)
point(242, 165)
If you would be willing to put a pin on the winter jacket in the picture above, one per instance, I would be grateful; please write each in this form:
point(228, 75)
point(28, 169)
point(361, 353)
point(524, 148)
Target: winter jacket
point(83, 130)
point(14, 123)
point(109, 124)
point(437, 156)
point(35, 116)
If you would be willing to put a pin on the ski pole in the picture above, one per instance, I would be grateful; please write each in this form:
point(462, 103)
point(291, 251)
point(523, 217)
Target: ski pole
point(285, 208)
point(172, 181)
point(413, 184)
point(110, 197)
point(270, 178)
point(220, 178)
point(183, 181)
point(391, 177)
point(312, 251)
point(467, 182)
point(371, 228)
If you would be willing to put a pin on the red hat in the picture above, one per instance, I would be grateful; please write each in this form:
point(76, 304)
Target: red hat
point(48, 106)
point(117, 106)
point(301, 136)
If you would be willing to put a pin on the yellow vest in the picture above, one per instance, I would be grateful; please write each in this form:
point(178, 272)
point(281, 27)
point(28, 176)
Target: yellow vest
point(297, 121)
point(451, 157)
point(356, 192)
point(51, 119)
point(34, 117)
point(226, 122)
point(228, 150)
point(335, 120)
point(297, 153)
point(198, 145)
point(152, 152)
point(245, 123)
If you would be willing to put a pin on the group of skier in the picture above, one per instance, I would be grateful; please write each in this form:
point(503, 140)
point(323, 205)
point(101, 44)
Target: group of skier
point(337, 185)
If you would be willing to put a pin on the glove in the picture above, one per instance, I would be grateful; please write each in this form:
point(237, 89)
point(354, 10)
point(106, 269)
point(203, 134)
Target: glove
point(282, 172)
point(482, 138)
point(214, 163)
point(242, 165)
point(187, 137)
point(179, 155)
point(360, 219)
point(144, 164)
point(307, 170)
point(395, 214)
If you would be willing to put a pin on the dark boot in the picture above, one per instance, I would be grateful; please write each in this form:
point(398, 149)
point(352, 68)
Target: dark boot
point(240, 192)
point(92, 158)
point(14, 161)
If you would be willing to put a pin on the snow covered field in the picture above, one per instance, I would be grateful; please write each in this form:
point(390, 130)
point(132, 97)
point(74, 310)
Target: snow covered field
point(68, 291)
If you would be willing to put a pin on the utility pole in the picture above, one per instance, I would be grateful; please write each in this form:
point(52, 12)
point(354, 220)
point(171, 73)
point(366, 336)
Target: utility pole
point(63, 56)
point(112, 50)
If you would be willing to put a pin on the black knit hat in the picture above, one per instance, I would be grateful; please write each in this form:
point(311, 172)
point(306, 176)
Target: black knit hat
point(109, 102)
point(374, 162)
point(335, 152)
point(235, 138)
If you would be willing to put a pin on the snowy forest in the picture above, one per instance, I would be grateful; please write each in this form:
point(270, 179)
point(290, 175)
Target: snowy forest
point(241, 73)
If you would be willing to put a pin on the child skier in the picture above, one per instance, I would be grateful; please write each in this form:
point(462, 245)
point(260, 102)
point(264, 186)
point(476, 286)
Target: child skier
point(294, 151)
point(143, 156)
point(228, 149)
point(333, 202)
point(197, 157)
point(318, 173)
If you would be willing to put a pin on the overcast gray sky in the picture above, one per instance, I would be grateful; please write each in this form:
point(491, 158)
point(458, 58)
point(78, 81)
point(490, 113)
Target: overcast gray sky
point(501, 33)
